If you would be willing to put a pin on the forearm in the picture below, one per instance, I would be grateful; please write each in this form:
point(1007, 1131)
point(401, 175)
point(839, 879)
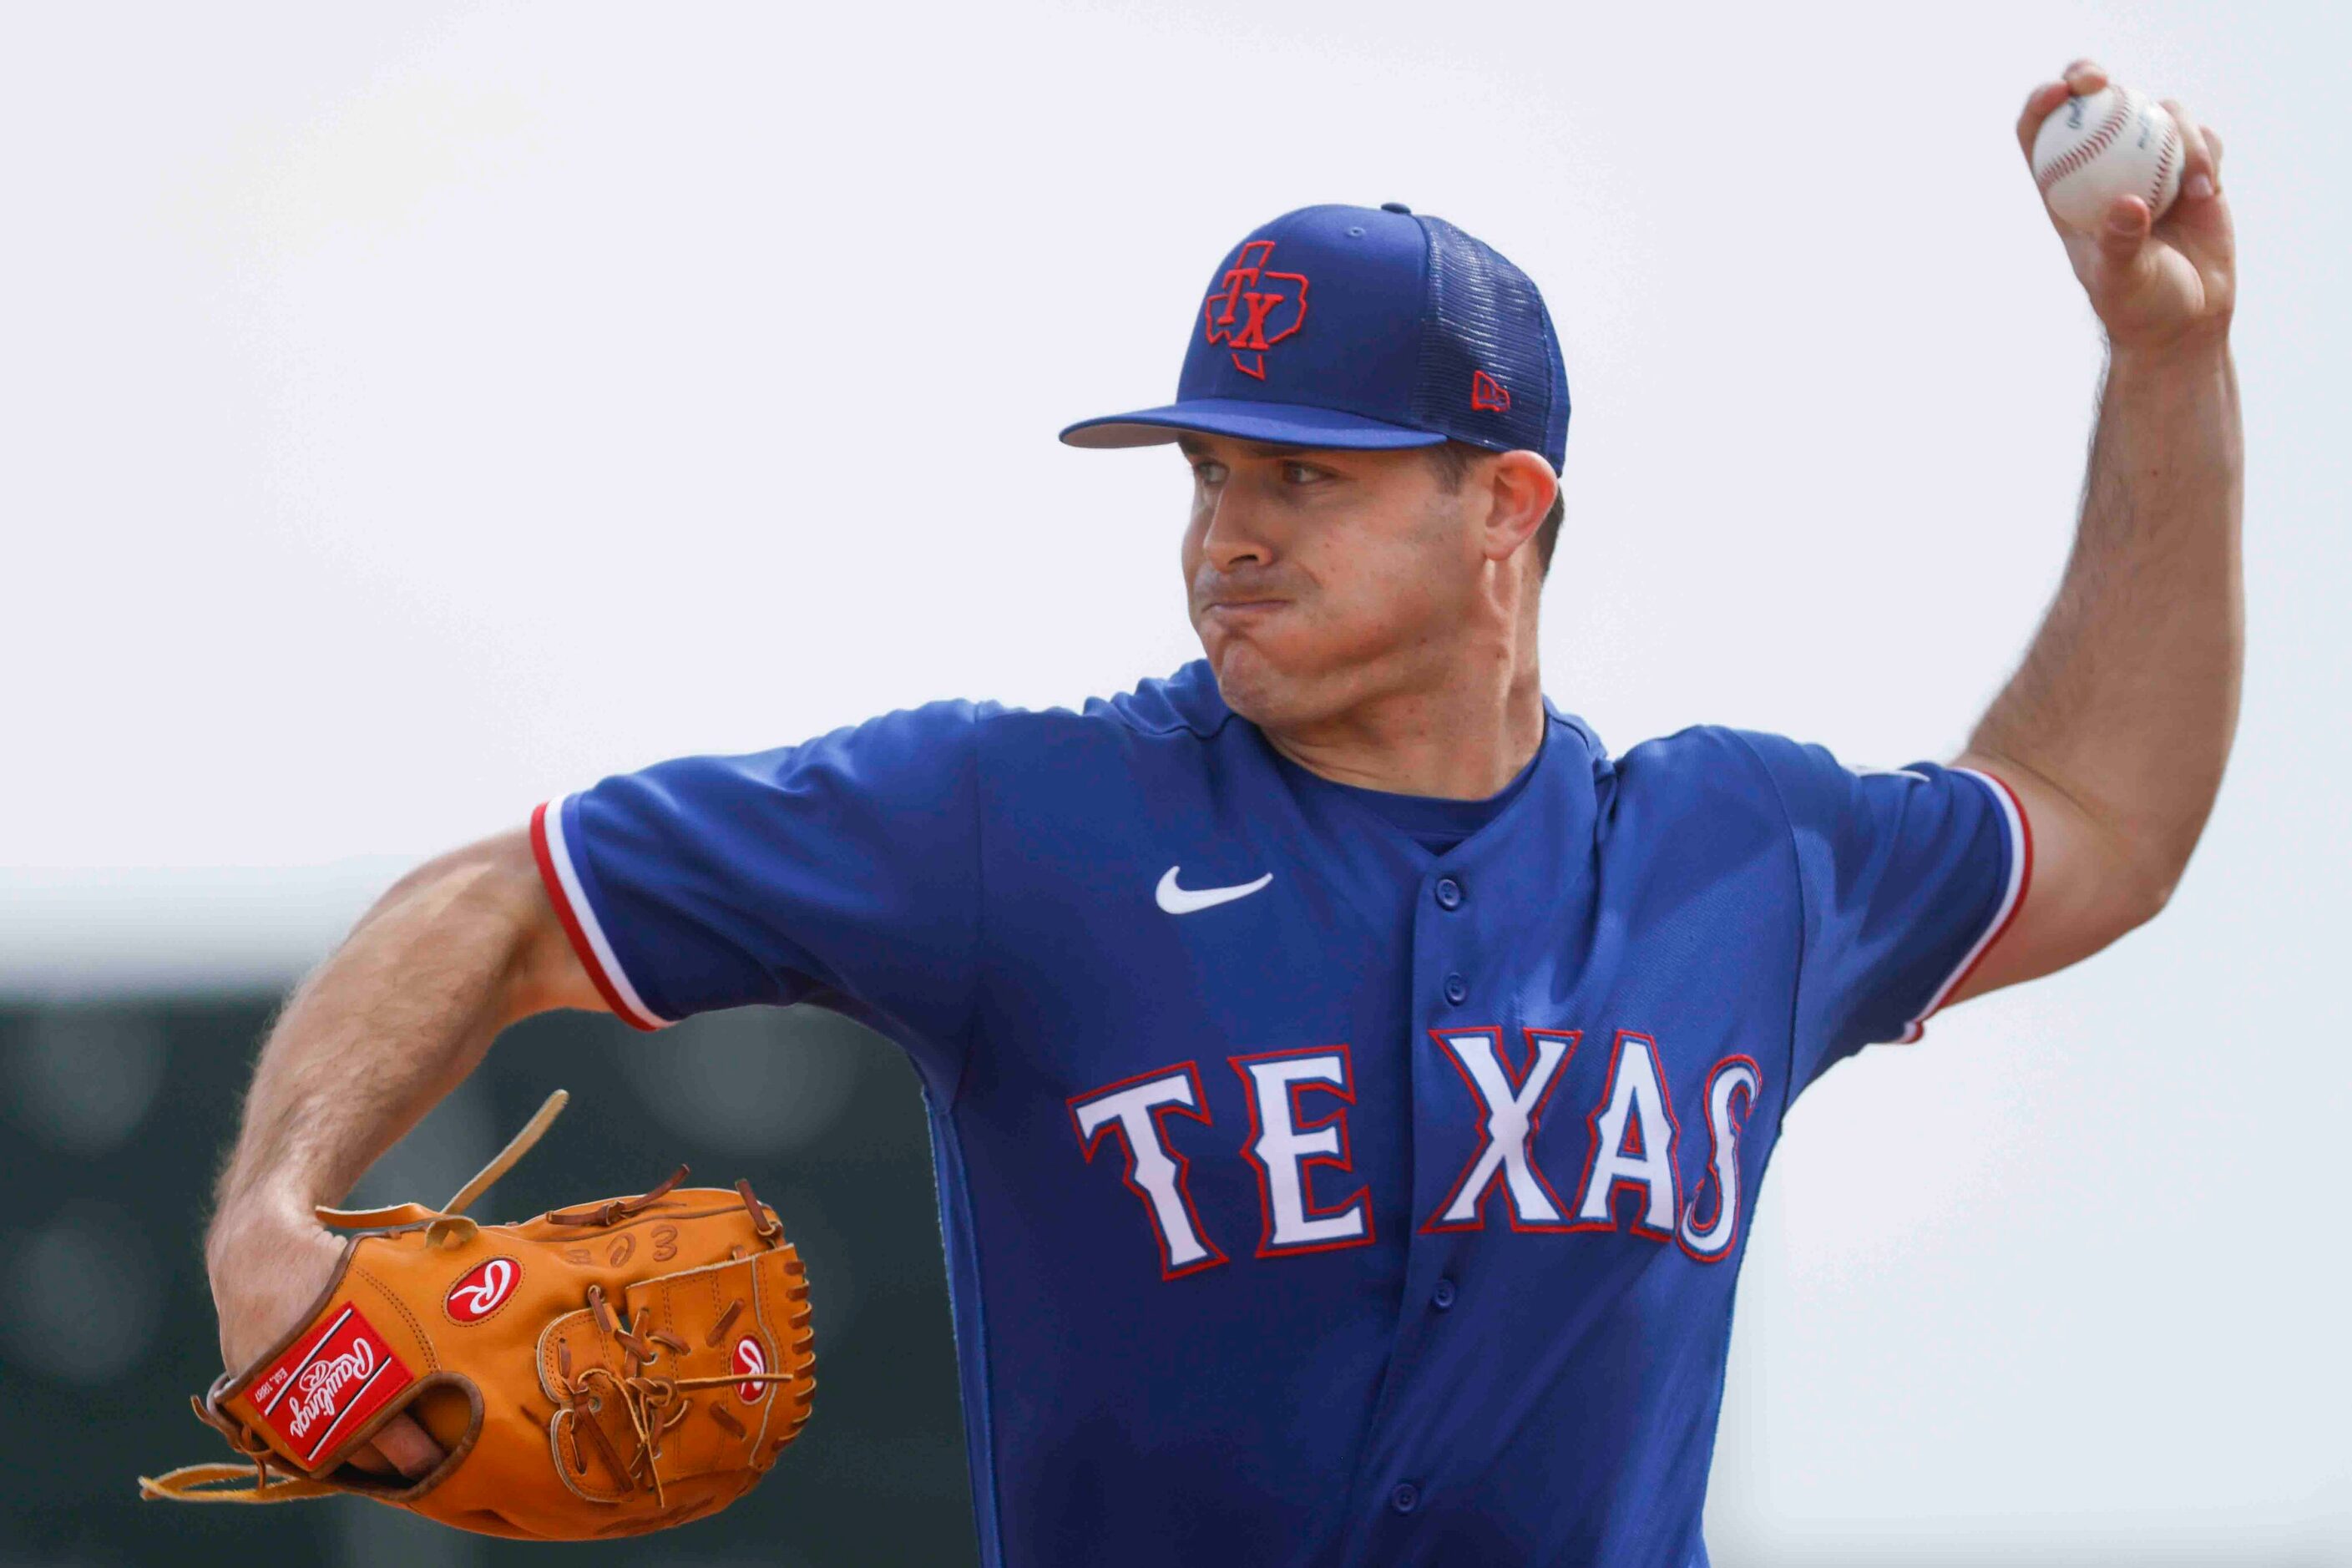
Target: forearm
point(380, 1033)
point(2127, 699)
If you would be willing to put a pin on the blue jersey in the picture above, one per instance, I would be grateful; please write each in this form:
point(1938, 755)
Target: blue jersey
point(1314, 1191)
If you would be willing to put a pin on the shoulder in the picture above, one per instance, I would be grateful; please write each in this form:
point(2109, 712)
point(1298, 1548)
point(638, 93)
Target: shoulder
point(1183, 707)
point(935, 745)
point(1821, 803)
point(1707, 801)
point(936, 738)
point(1715, 767)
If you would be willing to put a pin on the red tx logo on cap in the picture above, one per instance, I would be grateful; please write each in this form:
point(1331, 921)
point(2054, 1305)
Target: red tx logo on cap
point(1252, 309)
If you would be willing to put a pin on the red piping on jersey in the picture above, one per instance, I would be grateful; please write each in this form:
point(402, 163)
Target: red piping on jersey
point(572, 930)
point(2017, 905)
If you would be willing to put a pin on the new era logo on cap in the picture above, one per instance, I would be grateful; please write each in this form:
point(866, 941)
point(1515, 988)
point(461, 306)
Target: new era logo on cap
point(1417, 333)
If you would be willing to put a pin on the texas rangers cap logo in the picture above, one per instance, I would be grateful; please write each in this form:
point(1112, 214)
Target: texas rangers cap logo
point(1252, 309)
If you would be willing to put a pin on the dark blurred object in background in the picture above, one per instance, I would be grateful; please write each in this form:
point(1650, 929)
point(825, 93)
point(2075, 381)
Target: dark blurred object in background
point(118, 1114)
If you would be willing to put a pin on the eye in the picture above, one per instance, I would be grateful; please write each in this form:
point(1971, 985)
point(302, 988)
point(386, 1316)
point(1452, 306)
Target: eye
point(1209, 473)
point(1301, 474)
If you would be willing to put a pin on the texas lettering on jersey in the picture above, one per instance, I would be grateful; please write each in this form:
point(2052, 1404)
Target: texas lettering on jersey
point(1324, 1177)
point(1632, 1181)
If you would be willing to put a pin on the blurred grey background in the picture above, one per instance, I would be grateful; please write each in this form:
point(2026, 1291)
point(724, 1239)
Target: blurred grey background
point(409, 414)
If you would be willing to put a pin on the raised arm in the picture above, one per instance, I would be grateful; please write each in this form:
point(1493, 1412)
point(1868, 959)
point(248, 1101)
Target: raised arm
point(2114, 730)
point(454, 953)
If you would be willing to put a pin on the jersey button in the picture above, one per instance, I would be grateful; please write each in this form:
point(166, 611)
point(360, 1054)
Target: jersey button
point(1449, 893)
point(1406, 1497)
point(1442, 1297)
point(1457, 990)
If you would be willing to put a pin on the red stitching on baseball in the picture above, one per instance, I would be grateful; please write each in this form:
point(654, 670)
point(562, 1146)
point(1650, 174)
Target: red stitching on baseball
point(2164, 161)
point(2099, 141)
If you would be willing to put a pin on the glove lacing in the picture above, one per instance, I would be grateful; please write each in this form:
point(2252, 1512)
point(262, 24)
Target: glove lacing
point(654, 1404)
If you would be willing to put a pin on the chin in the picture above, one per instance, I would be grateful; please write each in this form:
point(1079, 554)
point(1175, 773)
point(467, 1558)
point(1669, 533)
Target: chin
point(1264, 692)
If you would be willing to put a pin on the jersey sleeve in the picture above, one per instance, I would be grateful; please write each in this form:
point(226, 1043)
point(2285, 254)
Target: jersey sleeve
point(843, 871)
point(1907, 876)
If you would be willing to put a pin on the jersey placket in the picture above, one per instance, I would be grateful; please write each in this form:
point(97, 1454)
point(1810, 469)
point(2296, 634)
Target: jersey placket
point(1481, 912)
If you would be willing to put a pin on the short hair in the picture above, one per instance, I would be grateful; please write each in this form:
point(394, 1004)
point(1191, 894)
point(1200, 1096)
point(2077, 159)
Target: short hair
point(1453, 459)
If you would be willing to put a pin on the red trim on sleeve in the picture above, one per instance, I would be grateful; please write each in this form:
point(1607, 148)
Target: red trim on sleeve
point(2024, 877)
point(553, 882)
point(2024, 887)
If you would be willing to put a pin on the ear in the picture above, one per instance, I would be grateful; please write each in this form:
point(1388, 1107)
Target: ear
point(1520, 486)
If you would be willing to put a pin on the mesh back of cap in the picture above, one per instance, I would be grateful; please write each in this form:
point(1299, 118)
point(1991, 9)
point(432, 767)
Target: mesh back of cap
point(1487, 342)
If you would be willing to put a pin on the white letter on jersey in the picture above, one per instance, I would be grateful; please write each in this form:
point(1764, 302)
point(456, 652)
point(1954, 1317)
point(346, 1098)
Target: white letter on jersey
point(1155, 1172)
point(1634, 1136)
point(1283, 1145)
point(1731, 1091)
point(1513, 1112)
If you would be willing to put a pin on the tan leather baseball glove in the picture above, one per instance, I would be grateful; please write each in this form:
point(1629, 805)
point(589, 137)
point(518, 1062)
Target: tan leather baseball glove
point(594, 1371)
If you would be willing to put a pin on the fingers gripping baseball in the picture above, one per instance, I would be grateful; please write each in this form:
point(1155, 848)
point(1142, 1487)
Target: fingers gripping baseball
point(2079, 79)
point(2200, 168)
point(2133, 187)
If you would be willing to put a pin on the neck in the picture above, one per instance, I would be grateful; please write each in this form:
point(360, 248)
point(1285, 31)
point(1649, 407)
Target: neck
point(1463, 737)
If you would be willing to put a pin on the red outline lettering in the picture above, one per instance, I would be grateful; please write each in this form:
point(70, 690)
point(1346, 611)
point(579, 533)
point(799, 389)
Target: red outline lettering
point(1737, 1114)
point(1633, 1116)
point(1199, 1112)
point(1343, 1161)
point(1517, 1079)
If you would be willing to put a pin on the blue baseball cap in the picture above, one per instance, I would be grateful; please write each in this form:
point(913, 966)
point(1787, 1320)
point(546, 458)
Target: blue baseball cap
point(1362, 327)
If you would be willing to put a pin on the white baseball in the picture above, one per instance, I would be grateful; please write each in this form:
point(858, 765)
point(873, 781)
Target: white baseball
point(2115, 142)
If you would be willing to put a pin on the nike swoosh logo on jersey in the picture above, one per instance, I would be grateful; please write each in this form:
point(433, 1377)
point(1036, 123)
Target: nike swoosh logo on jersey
point(1179, 901)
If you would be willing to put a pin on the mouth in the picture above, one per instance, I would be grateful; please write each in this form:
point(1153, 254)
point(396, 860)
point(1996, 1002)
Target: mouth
point(1242, 609)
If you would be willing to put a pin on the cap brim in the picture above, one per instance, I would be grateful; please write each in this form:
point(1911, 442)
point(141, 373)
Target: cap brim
point(1276, 424)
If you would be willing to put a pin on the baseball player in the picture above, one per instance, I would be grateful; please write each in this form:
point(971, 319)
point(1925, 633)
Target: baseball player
point(1350, 1083)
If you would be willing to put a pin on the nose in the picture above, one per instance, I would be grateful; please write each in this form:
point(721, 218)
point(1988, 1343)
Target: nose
point(1232, 535)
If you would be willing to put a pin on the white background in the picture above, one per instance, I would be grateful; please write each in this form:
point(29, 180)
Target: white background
point(407, 412)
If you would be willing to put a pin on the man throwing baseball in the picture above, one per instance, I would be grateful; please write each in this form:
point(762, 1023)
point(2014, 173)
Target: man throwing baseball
point(1350, 1083)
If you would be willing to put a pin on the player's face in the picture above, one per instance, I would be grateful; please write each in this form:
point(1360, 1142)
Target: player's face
point(1319, 580)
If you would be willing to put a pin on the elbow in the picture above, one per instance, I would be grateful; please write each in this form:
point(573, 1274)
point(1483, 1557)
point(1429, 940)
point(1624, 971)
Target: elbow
point(2160, 862)
point(2149, 904)
point(2095, 915)
point(2145, 889)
